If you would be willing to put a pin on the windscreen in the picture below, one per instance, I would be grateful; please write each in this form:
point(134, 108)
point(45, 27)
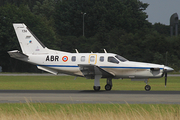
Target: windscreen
point(122, 59)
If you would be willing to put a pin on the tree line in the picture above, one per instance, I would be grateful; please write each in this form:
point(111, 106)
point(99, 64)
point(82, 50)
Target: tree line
point(119, 26)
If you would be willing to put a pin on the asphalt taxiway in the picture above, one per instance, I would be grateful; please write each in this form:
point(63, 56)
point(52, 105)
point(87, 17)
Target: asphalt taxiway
point(90, 96)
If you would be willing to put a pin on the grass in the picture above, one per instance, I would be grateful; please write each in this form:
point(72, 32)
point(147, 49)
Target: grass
point(48, 111)
point(68, 83)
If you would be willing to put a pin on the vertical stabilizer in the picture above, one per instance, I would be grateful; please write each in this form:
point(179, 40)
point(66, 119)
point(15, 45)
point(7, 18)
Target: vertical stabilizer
point(29, 43)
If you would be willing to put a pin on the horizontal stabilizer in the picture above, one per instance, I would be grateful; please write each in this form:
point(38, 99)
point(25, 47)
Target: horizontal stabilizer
point(48, 70)
point(17, 54)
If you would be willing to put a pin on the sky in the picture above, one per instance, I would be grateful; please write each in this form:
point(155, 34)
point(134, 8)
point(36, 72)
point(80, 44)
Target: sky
point(160, 11)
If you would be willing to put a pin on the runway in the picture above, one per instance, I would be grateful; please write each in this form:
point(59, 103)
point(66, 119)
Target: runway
point(90, 96)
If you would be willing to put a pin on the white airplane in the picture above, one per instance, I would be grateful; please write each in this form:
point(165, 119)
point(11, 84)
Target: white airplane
point(89, 65)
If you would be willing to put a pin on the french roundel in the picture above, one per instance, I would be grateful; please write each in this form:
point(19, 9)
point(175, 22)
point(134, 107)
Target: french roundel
point(65, 58)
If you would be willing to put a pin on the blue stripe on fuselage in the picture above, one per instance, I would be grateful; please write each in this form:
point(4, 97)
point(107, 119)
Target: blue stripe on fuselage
point(127, 67)
point(99, 66)
point(58, 65)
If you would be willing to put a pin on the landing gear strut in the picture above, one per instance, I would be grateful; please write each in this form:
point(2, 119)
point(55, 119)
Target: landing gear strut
point(108, 86)
point(97, 83)
point(147, 87)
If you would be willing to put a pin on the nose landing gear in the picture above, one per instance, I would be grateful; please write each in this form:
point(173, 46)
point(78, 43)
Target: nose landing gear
point(147, 87)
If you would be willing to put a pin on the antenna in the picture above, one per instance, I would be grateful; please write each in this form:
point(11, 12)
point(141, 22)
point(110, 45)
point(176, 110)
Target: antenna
point(76, 51)
point(105, 51)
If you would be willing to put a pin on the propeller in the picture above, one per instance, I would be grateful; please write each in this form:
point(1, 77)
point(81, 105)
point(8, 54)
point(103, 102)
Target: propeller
point(166, 70)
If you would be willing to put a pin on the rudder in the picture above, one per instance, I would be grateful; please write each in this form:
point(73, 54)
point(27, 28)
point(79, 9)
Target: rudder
point(29, 43)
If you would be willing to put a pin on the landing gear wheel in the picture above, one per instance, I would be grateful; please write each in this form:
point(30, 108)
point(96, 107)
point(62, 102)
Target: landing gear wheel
point(147, 87)
point(97, 88)
point(108, 87)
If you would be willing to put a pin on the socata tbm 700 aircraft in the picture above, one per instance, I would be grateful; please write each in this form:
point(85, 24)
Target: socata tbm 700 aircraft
point(89, 65)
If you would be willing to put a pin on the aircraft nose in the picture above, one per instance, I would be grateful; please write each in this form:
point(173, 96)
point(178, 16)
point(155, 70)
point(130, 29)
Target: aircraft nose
point(168, 69)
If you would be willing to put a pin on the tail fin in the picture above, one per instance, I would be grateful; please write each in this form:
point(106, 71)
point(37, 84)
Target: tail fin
point(29, 43)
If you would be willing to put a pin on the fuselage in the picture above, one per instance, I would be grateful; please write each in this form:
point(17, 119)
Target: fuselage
point(68, 63)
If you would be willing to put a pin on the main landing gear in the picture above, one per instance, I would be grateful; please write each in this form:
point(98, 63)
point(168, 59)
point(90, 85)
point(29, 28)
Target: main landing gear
point(147, 87)
point(108, 86)
point(97, 86)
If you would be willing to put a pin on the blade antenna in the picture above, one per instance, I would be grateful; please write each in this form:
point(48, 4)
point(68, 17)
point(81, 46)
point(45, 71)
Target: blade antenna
point(105, 51)
point(76, 51)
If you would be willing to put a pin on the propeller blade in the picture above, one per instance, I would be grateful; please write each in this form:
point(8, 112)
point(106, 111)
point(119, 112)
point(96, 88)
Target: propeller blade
point(165, 79)
point(166, 70)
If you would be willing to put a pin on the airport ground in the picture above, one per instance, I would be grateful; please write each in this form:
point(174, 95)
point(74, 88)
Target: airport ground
point(46, 88)
point(37, 96)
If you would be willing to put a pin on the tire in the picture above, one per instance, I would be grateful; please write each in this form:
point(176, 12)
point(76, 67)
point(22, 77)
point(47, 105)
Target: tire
point(147, 87)
point(96, 88)
point(108, 87)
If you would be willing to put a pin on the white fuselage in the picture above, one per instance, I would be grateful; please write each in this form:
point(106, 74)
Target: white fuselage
point(68, 63)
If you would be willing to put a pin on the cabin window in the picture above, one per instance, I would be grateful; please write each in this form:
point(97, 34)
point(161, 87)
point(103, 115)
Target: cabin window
point(102, 59)
point(92, 58)
point(82, 58)
point(112, 60)
point(73, 59)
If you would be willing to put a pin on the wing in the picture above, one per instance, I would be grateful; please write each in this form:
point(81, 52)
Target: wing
point(89, 71)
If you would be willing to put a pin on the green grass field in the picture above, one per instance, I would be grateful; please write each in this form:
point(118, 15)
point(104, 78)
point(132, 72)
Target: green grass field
point(68, 83)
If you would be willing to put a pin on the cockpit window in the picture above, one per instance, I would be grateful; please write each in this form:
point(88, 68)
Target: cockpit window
point(112, 60)
point(122, 59)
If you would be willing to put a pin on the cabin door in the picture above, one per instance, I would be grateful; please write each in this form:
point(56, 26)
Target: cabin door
point(92, 59)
